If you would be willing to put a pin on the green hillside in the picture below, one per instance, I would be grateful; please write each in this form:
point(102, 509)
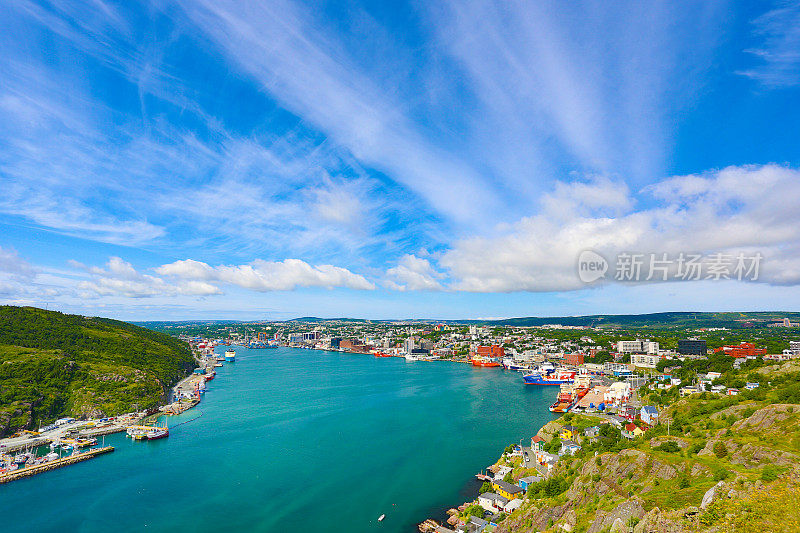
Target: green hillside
point(54, 365)
point(729, 463)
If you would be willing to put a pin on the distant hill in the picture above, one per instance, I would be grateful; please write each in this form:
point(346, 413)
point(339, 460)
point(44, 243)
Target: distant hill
point(54, 365)
point(670, 319)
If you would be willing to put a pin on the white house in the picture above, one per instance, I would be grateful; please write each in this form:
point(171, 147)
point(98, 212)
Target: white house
point(649, 415)
point(491, 501)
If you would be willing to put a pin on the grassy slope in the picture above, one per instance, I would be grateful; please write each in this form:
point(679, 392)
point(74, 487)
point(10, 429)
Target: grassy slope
point(52, 364)
point(641, 484)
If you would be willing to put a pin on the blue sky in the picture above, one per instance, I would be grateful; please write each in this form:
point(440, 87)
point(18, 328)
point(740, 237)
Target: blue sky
point(227, 159)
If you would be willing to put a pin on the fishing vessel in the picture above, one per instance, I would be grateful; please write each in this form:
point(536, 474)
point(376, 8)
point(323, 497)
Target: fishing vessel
point(147, 432)
point(230, 356)
point(549, 378)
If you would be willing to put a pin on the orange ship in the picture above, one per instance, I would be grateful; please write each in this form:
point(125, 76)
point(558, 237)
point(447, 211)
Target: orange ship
point(485, 361)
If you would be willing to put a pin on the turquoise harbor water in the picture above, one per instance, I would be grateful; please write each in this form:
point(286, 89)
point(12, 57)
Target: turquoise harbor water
point(297, 440)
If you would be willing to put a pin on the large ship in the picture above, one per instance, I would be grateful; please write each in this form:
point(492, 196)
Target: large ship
point(230, 355)
point(481, 360)
point(552, 378)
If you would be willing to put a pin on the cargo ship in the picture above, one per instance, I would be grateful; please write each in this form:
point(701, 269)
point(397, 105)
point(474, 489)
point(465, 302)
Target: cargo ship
point(563, 402)
point(553, 378)
point(230, 356)
point(570, 394)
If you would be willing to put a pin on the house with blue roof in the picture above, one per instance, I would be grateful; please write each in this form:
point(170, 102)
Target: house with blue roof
point(649, 415)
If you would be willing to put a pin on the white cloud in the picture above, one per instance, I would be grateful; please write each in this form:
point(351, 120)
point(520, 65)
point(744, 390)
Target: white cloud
point(120, 278)
point(263, 276)
point(734, 210)
point(413, 274)
point(12, 264)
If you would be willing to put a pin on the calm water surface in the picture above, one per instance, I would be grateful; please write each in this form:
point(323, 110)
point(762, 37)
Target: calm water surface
point(296, 440)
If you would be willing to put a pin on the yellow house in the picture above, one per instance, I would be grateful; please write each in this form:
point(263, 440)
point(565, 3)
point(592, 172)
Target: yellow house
point(507, 490)
point(568, 432)
point(632, 430)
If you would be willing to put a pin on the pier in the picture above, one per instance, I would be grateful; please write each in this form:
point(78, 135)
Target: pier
point(56, 463)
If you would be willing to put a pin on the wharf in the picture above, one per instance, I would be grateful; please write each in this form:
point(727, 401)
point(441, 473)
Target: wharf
point(25, 444)
point(101, 431)
point(51, 465)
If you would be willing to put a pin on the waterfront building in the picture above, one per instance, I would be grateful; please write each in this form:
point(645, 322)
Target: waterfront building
point(506, 490)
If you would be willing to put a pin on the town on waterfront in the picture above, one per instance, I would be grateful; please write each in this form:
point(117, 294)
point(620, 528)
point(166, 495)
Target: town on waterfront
point(400, 267)
point(652, 422)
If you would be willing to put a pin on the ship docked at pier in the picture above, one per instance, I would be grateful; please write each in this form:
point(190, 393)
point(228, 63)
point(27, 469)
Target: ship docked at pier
point(558, 377)
point(571, 393)
point(147, 432)
point(491, 356)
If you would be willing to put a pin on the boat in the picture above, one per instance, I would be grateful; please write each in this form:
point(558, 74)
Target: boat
point(381, 517)
point(147, 432)
point(509, 363)
point(382, 354)
point(563, 402)
point(21, 458)
point(481, 360)
point(230, 356)
point(553, 378)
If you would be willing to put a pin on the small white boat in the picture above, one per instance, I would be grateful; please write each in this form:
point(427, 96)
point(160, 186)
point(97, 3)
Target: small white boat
point(381, 517)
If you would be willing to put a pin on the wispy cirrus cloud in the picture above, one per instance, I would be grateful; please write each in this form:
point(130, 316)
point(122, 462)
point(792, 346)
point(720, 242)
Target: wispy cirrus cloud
point(287, 50)
point(578, 85)
point(778, 31)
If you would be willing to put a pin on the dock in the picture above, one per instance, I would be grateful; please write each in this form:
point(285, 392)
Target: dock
point(56, 463)
point(22, 445)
